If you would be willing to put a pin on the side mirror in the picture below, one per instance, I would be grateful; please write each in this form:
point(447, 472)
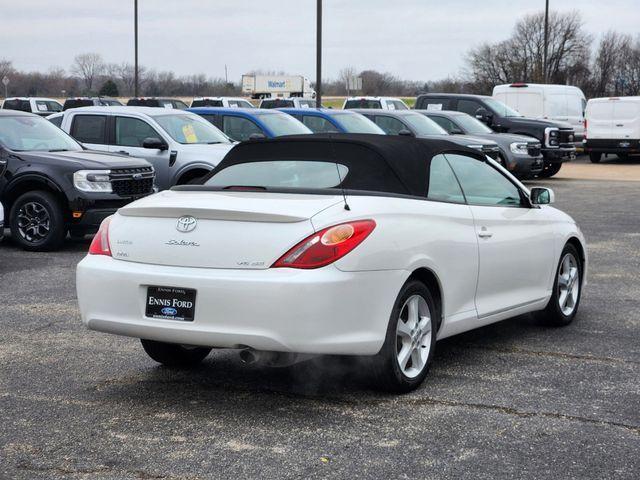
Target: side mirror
point(257, 136)
point(154, 143)
point(405, 133)
point(542, 196)
point(484, 116)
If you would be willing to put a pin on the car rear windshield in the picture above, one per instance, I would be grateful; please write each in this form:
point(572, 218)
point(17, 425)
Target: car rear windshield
point(190, 128)
point(356, 123)
point(282, 124)
point(29, 133)
point(281, 174)
point(206, 103)
point(362, 104)
point(277, 104)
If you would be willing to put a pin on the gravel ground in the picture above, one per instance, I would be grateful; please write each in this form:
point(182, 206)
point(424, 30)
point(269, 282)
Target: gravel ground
point(511, 400)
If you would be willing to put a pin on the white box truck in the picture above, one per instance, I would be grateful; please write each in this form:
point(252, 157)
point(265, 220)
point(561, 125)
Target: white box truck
point(277, 86)
point(563, 103)
point(612, 127)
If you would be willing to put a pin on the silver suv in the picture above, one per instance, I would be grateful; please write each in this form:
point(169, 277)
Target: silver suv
point(181, 146)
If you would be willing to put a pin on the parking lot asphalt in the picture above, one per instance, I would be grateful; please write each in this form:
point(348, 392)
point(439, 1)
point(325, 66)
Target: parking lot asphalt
point(511, 400)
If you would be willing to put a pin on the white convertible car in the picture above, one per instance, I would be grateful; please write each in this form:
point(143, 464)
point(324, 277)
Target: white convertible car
point(364, 245)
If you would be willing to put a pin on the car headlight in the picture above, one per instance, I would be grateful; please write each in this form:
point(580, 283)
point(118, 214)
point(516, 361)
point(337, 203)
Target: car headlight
point(552, 137)
point(92, 181)
point(519, 148)
point(475, 147)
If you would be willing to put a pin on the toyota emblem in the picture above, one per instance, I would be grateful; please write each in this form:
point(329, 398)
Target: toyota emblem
point(186, 224)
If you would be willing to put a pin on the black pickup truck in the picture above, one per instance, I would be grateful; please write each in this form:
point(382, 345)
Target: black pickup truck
point(556, 138)
point(51, 185)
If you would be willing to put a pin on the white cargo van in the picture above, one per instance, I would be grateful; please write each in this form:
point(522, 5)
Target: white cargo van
point(612, 126)
point(555, 102)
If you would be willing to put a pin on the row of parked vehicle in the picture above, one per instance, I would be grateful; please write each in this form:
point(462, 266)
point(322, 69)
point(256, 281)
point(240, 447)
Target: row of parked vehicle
point(156, 147)
point(47, 106)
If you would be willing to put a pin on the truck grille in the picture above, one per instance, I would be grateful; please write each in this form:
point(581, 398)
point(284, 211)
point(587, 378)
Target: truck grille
point(534, 149)
point(567, 137)
point(132, 182)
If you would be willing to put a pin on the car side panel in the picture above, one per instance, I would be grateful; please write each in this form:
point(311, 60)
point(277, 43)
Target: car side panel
point(412, 234)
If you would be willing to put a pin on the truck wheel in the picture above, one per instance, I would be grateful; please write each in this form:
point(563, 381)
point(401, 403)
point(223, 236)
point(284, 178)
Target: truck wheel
point(595, 157)
point(37, 221)
point(550, 170)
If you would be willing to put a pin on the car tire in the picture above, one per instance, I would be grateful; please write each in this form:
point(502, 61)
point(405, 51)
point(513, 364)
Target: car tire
point(402, 363)
point(623, 157)
point(37, 221)
point(550, 170)
point(174, 355)
point(595, 157)
point(567, 290)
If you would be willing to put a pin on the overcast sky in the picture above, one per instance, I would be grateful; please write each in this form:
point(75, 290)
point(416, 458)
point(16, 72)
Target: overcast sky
point(413, 39)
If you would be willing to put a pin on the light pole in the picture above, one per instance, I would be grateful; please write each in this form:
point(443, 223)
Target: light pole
point(319, 54)
point(135, 34)
point(546, 41)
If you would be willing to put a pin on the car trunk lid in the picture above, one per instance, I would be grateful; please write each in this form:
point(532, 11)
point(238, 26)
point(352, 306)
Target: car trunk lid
point(214, 229)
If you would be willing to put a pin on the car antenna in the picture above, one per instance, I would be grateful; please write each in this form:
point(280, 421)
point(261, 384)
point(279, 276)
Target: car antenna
point(335, 159)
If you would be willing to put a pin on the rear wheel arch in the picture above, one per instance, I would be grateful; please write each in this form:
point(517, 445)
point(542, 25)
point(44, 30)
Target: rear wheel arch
point(190, 175)
point(432, 282)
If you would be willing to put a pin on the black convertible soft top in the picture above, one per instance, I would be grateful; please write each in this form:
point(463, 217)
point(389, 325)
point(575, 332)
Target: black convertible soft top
point(377, 163)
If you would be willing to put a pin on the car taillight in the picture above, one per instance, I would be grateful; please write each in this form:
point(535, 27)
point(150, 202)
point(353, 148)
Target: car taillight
point(327, 245)
point(100, 242)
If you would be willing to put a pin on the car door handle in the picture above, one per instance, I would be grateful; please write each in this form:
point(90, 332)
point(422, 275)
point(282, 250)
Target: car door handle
point(484, 233)
point(122, 152)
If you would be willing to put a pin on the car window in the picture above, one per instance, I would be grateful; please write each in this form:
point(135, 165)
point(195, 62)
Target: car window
point(48, 106)
point(283, 124)
point(57, 121)
point(209, 118)
point(468, 106)
point(131, 132)
point(239, 128)
point(445, 123)
point(89, 128)
point(443, 185)
point(353, 122)
point(422, 125)
point(179, 104)
point(482, 184)
point(434, 104)
point(318, 124)
point(190, 128)
point(397, 105)
point(390, 125)
point(244, 104)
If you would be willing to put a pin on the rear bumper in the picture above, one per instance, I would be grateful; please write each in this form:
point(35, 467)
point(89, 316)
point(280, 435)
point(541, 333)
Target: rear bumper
point(628, 146)
point(323, 311)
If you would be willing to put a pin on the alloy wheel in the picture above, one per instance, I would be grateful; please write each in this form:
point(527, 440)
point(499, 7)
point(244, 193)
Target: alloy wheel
point(568, 284)
point(413, 336)
point(34, 222)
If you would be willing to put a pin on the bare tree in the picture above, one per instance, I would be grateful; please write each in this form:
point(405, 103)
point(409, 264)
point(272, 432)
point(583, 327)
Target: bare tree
point(520, 58)
point(88, 66)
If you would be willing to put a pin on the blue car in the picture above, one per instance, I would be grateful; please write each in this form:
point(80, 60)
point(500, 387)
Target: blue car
point(326, 120)
point(242, 124)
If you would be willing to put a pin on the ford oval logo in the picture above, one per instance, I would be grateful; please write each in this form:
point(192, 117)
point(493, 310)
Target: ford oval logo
point(169, 311)
point(186, 224)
